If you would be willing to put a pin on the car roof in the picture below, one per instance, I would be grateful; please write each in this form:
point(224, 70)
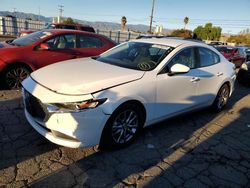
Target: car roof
point(173, 42)
point(61, 31)
point(75, 24)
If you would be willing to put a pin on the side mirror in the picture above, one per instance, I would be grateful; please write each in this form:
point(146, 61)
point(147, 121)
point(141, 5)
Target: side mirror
point(44, 46)
point(179, 69)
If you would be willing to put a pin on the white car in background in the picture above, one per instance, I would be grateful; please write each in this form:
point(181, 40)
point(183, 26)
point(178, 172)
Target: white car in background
point(106, 100)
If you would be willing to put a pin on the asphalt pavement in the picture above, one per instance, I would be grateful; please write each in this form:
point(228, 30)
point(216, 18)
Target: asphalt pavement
point(199, 149)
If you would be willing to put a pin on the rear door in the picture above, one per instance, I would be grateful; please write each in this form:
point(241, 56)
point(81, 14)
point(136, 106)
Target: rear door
point(211, 74)
point(89, 45)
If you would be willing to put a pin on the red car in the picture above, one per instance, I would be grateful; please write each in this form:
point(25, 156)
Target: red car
point(19, 57)
point(232, 54)
point(61, 26)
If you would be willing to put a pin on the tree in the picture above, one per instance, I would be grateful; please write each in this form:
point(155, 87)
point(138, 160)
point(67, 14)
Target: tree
point(240, 39)
point(123, 23)
point(186, 20)
point(181, 33)
point(69, 21)
point(208, 32)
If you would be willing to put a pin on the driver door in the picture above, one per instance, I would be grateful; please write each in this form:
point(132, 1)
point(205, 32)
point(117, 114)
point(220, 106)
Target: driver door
point(178, 92)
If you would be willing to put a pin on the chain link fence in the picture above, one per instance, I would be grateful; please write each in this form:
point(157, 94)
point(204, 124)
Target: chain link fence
point(11, 26)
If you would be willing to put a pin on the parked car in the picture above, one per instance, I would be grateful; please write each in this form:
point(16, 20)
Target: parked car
point(235, 55)
point(248, 54)
point(244, 73)
point(106, 100)
point(215, 43)
point(60, 26)
point(21, 56)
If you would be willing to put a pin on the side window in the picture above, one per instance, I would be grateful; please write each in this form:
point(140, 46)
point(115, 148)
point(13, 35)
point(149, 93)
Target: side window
point(89, 42)
point(65, 27)
point(207, 57)
point(184, 57)
point(69, 27)
point(89, 29)
point(62, 42)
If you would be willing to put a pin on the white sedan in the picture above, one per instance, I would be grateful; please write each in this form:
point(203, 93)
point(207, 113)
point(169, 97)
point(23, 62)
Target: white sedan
point(108, 99)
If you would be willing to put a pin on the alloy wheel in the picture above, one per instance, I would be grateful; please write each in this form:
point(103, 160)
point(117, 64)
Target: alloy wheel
point(15, 76)
point(223, 97)
point(125, 126)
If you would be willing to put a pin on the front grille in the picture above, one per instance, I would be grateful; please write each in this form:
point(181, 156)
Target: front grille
point(34, 106)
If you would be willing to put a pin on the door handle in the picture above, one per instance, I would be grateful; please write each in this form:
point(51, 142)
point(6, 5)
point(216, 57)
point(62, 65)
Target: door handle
point(219, 74)
point(195, 79)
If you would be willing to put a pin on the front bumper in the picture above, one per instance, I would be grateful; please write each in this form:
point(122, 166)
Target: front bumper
point(70, 129)
point(81, 129)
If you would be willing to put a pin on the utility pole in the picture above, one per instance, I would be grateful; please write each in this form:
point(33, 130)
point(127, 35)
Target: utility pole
point(39, 13)
point(14, 12)
point(151, 17)
point(60, 12)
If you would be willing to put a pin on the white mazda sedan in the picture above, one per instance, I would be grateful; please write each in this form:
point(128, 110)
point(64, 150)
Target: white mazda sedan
point(108, 99)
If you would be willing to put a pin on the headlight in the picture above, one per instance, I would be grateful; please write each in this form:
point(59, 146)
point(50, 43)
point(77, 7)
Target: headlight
point(75, 106)
point(244, 66)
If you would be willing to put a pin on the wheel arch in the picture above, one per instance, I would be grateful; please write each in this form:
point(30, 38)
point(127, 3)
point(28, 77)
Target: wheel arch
point(228, 84)
point(134, 101)
point(30, 68)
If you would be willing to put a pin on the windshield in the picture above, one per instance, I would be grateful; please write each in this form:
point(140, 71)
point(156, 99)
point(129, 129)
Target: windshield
point(136, 55)
point(31, 38)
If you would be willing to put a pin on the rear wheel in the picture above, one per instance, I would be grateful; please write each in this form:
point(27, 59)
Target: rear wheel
point(221, 98)
point(123, 127)
point(14, 75)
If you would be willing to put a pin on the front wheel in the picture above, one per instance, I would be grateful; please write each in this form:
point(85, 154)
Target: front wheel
point(221, 98)
point(123, 127)
point(14, 75)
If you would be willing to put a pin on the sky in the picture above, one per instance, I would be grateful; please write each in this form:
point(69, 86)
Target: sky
point(231, 15)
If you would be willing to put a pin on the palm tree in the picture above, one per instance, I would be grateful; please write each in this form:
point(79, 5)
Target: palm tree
point(123, 23)
point(186, 20)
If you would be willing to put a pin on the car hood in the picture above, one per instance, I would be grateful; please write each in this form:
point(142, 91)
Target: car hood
point(83, 76)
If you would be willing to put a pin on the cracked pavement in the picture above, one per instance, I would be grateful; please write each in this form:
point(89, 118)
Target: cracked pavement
point(199, 149)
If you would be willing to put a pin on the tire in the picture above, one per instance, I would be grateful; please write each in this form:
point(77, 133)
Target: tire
point(14, 75)
point(221, 98)
point(118, 132)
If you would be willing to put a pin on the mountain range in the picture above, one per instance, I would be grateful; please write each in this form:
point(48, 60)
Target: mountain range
point(97, 25)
